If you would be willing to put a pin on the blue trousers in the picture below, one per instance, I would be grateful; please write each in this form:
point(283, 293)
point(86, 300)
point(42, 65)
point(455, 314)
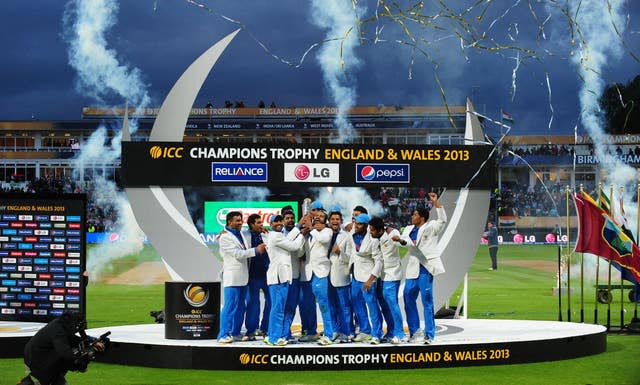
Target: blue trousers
point(252, 316)
point(363, 300)
point(307, 306)
point(388, 298)
point(232, 311)
point(277, 328)
point(343, 312)
point(423, 285)
point(293, 294)
point(320, 287)
point(334, 308)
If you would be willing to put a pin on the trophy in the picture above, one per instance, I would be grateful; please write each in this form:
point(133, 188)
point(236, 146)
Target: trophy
point(306, 206)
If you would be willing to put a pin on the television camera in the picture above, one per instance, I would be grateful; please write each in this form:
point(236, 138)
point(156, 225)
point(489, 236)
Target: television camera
point(88, 348)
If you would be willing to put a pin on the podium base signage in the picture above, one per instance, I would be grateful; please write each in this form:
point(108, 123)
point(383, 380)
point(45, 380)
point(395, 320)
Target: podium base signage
point(192, 310)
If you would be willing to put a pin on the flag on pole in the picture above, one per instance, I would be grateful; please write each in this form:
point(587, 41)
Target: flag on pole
point(506, 117)
point(604, 203)
point(600, 235)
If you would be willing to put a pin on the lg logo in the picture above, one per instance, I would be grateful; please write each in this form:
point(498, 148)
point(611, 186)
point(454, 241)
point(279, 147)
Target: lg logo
point(302, 172)
point(312, 172)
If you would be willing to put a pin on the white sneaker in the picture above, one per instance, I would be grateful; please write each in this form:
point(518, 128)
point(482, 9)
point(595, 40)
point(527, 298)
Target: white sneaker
point(281, 342)
point(374, 341)
point(395, 340)
point(362, 337)
point(417, 337)
point(428, 341)
point(225, 340)
point(341, 338)
point(324, 341)
point(309, 338)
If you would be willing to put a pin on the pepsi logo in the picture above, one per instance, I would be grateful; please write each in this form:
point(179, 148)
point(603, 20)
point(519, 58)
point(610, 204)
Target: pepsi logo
point(368, 173)
point(382, 173)
point(302, 172)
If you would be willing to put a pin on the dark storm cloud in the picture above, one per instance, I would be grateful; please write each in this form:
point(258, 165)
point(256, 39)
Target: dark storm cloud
point(162, 42)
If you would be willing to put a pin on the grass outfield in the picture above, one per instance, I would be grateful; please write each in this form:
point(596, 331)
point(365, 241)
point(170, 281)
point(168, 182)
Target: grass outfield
point(520, 289)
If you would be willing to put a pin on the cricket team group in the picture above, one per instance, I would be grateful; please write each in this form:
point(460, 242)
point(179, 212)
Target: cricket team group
point(351, 271)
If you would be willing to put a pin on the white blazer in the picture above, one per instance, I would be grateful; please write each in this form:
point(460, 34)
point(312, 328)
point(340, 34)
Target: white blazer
point(296, 254)
point(392, 267)
point(425, 251)
point(305, 265)
point(340, 275)
point(318, 251)
point(367, 260)
point(235, 254)
point(279, 249)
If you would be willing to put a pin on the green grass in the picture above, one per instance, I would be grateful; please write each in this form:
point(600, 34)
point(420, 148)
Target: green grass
point(120, 265)
point(512, 292)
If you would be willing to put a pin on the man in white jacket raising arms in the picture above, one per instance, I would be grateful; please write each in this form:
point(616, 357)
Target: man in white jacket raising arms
point(319, 240)
point(423, 263)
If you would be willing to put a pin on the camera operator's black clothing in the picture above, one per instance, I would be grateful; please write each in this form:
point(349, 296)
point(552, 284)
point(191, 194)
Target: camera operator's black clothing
point(49, 354)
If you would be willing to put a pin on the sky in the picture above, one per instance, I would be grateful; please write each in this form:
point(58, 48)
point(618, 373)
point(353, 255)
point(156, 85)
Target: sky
point(516, 56)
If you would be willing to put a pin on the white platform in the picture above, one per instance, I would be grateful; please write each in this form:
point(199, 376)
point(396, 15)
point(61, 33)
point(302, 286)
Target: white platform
point(459, 342)
point(449, 331)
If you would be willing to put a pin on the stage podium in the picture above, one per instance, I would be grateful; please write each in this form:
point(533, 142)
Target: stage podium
point(192, 310)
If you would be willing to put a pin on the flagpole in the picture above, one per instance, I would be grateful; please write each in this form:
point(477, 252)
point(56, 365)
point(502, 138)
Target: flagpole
point(621, 279)
point(609, 296)
point(581, 276)
point(559, 282)
point(595, 310)
point(568, 261)
point(635, 293)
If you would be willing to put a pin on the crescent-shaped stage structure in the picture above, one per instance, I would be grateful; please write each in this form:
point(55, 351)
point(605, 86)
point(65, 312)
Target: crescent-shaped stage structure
point(461, 238)
point(161, 212)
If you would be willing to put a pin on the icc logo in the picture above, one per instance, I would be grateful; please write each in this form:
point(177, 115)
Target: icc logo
point(259, 359)
point(196, 296)
point(166, 152)
point(368, 173)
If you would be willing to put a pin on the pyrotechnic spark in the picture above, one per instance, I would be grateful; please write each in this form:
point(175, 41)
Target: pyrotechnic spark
point(550, 104)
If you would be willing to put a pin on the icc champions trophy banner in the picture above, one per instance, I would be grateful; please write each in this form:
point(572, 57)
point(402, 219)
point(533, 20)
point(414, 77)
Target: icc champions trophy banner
point(191, 310)
point(183, 164)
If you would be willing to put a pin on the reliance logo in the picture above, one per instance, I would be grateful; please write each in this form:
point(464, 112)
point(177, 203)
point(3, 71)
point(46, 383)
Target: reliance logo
point(238, 172)
point(382, 173)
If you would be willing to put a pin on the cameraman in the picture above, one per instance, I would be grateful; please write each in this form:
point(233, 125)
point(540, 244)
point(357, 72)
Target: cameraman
point(50, 353)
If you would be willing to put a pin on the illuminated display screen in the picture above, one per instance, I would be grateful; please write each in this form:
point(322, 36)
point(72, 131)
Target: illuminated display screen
point(43, 254)
point(215, 213)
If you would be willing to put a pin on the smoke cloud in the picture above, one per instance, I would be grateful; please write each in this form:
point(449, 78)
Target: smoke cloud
point(339, 20)
point(102, 77)
point(98, 152)
point(347, 198)
point(100, 74)
point(600, 46)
